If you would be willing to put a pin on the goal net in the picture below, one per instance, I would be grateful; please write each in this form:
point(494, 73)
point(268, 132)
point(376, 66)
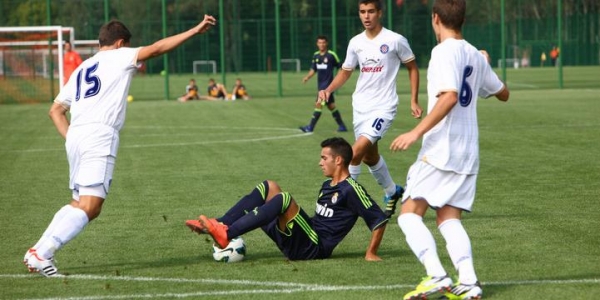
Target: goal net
point(31, 62)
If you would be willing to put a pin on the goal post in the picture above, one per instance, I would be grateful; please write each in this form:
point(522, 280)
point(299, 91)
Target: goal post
point(509, 63)
point(294, 64)
point(198, 65)
point(31, 62)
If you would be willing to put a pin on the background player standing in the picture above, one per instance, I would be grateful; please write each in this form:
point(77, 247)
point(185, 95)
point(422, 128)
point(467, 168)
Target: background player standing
point(71, 61)
point(445, 173)
point(323, 64)
point(96, 97)
point(378, 52)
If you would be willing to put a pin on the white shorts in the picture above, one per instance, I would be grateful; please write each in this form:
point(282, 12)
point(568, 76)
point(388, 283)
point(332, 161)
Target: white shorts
point(440, 188)
point(372, 126)
point(91, 151)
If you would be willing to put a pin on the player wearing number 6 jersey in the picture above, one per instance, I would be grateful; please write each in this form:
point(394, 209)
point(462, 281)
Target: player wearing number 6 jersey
point(96, 96)
point(378, 52)
point(444, 175)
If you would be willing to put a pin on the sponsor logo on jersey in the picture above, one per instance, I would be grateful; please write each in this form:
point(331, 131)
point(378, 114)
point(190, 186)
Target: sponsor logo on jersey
point(324, 211)
point(321, 67)
point(371, 65)
point(384, 48)
point(376, 69)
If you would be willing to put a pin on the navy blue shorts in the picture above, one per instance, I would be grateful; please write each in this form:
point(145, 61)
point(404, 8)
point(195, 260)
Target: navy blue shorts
point(331, 98)
point(299, 241)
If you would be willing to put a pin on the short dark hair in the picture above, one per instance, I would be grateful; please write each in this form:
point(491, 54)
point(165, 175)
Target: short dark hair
point(113, 31)
point(322, 37)
point(451, 12)
point(378, 4)
point(340, 147)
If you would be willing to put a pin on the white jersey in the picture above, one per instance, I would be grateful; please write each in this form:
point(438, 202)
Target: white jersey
point(379, 61)
point(97, 91)
point(453, 143)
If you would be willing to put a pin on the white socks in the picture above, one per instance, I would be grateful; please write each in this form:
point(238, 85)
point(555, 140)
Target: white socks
point(382, 176)
point(57, 217)
point(421, 242)
point(459, 248)
point(354, 171)
point(64, 229)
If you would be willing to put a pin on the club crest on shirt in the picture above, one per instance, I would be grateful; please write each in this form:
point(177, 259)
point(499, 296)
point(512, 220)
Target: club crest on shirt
point(325, 60)
point(334, 198)
point(384, 48)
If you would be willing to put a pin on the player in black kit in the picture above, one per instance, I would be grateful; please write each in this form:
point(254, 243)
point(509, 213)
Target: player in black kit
point(340, 202)
point(323, 64)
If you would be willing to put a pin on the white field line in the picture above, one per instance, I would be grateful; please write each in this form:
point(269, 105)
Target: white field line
point(279, 287)
point(511, 83)
point(252, 140)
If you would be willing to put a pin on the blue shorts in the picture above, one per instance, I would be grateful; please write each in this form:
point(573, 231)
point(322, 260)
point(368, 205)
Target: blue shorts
point(299, 241)
point(331, 98)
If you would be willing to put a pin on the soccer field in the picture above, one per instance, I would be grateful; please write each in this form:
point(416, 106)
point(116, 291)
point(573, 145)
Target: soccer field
point(534, 229)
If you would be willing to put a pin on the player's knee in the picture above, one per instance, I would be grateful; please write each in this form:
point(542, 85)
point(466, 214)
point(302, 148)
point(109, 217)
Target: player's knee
point(91, 208)
point(273, 188)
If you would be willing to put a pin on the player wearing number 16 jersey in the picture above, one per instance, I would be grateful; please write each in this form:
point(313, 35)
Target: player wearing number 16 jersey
point(95, 94)
point(445, 173)
point(378, 53)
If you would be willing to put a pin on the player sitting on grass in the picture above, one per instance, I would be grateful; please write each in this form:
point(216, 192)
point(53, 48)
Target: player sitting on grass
point(341, 201)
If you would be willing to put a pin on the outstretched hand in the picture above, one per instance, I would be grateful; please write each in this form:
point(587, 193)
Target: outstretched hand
point(404, 141)
point(208, 22)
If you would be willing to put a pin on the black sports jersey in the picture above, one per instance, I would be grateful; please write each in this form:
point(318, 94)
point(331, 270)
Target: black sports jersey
point(324, 66)
point(338, 208)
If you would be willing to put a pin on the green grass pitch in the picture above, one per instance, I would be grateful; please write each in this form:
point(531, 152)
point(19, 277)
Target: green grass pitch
point(534, 230)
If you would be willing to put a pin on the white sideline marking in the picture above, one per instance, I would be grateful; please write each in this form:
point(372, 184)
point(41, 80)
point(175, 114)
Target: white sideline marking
point(269, 138)
point(217, 142)
point(510, 83)
point(288, 287)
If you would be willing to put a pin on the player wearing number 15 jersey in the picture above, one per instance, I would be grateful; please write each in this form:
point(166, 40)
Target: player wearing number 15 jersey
point(95, 95)
point(445, 173)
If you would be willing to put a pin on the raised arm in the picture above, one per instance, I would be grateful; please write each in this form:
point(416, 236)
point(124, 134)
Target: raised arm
point(169, 43)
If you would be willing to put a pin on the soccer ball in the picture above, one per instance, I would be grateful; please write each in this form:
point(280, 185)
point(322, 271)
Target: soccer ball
point(129, 98)
point(234, 252)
